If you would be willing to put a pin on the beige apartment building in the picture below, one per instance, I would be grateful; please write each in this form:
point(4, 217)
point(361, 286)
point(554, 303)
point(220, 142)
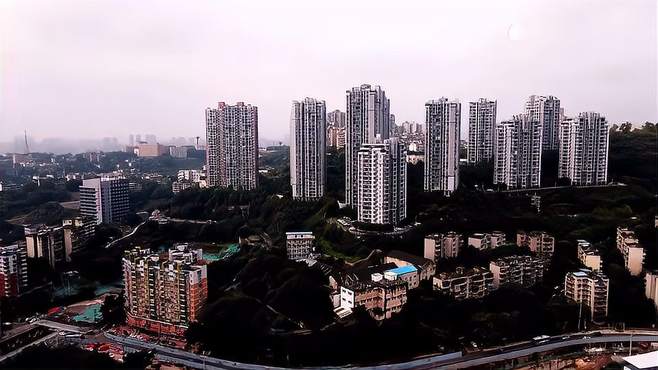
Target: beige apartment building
point(490, 240)
point(381, 296)
point(524, 271)
point(651, 286)
point(538, 242)
point(630, 248)
point(465, 284)
point(590, 289)
point(445, 245)
point(589, 256)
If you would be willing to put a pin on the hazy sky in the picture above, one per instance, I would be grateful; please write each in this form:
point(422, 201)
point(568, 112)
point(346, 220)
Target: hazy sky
point(110, 68)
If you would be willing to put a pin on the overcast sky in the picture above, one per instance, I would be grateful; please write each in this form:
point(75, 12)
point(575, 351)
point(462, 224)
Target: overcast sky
point(110, 68)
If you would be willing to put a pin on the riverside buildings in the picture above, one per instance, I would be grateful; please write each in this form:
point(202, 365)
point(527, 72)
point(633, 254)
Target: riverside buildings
point(590, 289)
point(546, 111)
point(382, 182)
point(584, 143)
point(442, 122)
point(308, 150)
point(232, 146)
point(481, 129)
point(164, 293)
point(105, 199)
point(368, 121)
point(517, 153)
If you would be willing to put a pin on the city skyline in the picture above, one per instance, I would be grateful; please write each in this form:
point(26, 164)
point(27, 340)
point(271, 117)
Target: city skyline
point(128, 77)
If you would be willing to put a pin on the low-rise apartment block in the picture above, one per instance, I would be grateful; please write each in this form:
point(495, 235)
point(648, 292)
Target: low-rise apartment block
point(589, 255)
point(524, 271)
point(77, 231)
point(465, 284)
point(382, 296)
point(408, 274)
point(13, 270)
point(425, 266)
point(651, 286)
point(590, 289)
point(299, 245)
point(630, 248)
point(164, 292)
point(45, 242)
point(538, 242)
point(445, 245)
point(484, 241)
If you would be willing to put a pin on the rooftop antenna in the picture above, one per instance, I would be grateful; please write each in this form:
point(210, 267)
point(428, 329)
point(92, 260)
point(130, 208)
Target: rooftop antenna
point(27, 147)
point(197, 142)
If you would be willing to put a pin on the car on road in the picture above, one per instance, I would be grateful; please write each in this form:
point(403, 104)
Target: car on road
point(541, 339)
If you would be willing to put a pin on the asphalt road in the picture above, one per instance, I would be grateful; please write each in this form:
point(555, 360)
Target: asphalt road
point(443, 361)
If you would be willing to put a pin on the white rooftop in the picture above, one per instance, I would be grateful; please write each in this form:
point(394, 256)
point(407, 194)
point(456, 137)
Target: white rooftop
point(647, 360)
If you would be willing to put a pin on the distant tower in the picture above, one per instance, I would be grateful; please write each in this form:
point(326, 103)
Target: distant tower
point(27, 147)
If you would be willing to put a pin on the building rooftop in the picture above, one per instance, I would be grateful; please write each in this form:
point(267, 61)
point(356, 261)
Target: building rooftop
point(647, 360)
point(403, 270)
point(408, 257)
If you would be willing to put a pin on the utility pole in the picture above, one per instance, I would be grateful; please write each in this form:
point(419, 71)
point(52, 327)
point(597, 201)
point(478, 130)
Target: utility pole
point(630, 345)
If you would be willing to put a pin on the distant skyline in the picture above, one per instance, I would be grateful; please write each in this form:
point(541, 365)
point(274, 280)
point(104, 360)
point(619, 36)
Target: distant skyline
point(80, 69)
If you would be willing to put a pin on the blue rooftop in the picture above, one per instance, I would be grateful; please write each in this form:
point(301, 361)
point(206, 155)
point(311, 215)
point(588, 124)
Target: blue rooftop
point(403, 270)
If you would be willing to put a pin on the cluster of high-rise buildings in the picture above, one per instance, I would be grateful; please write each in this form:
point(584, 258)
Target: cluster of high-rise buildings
point(376, 149)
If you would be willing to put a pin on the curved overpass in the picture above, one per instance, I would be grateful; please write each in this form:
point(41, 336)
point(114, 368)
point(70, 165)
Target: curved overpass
point(444, 361)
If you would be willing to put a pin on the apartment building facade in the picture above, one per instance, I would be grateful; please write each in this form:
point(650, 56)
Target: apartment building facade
point(584, 145)
point(232, 146)
point(518, 152)
point(651, 286)
point(106, 199)
point(47, 242)
point(367, 121)
point(524, 271)
point(164, 293)
point(546, 110)
point(490, 240)
point(442, 123)
point(308, 149)
point(76, 232)
point(382, 296)
point(13, 270)
point(631, 249)
point(539, 242)
point(465, 284)
point(443, 245)
point(590, 289)
point(299, 245)
point(589, 256)
point(481, 130)
point(382, 179)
